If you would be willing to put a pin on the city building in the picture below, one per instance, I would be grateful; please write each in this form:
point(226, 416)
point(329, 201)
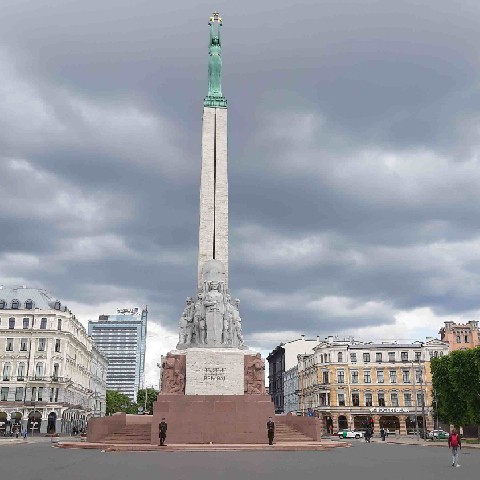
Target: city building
point(280, 360)
point(122, 338)
point(461, 336)
point(290, 390)
point(53, 376)
point(350, 383)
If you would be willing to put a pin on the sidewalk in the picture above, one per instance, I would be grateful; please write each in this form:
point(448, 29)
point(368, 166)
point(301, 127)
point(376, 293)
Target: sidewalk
point(411, 440)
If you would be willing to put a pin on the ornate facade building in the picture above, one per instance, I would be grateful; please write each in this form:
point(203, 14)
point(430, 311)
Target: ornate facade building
point(350, 383)
point(461, 336)
point(53, 375)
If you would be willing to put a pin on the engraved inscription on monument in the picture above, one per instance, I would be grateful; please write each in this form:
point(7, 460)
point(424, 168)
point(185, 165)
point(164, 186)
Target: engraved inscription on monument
point(214, 372)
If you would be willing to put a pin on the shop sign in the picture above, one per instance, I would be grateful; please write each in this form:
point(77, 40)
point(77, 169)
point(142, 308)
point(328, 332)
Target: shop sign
point(389, 410)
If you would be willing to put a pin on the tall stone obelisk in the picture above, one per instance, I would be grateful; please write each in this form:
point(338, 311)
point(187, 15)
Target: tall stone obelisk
point(213, 231)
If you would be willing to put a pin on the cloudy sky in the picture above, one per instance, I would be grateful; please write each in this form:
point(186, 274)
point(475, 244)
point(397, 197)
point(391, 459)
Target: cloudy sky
point(354, 169)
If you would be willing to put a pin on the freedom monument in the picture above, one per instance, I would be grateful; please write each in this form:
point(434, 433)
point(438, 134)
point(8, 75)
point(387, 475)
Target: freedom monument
point(212, 385)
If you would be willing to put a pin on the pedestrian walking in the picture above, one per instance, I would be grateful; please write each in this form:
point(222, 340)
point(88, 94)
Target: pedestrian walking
point(270, 430)
point(454, 443)
point(162, 431)
point(368, 434)
point(382, 434)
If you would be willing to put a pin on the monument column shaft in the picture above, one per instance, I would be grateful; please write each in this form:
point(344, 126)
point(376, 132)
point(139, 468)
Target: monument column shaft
point(213, 231)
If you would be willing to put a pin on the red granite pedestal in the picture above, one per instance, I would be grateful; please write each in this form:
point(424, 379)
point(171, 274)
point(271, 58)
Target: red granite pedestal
point(221, 419)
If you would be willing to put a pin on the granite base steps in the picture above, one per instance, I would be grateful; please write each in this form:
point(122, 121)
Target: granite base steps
point(290, 446)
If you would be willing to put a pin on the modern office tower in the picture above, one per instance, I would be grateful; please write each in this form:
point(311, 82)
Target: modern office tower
point(122, 338)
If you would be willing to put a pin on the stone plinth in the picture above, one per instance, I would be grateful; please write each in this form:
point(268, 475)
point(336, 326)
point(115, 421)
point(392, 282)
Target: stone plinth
point(214, 371)
point(213, 418)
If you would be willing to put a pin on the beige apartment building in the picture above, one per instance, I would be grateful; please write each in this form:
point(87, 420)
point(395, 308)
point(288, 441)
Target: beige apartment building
point(349, 383)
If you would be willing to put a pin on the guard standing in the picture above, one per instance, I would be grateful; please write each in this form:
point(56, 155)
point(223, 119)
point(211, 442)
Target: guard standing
point(270, 430)
point(162, 431)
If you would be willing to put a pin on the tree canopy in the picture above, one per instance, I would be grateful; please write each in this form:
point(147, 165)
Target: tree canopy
point(119, 402)
point(456, 382)
point(151, 397)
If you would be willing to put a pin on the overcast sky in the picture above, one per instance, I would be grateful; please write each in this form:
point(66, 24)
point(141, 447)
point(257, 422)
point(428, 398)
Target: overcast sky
point(354, 133)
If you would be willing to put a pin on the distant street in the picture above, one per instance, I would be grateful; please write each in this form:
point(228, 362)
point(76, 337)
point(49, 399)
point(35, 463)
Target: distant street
point(363, 461)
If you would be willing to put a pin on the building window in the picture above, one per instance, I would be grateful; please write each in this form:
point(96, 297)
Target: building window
point(381, 399)
point(391, 356)
point(325, 377)
point(51, 394)
point(4, 394)
point(26, 323)
point(40, 394)
point(7, 368)
point(435, 354)
point(341, 376)
point(15, 304)
point(33, 398)
point(367, 377)
point(366, 357)
point(341, 399)
point(431, 354)
point(59, 324)
point(19, 394)
point(353, 357)
point(56, 394)
point(41, 344)
point(23, 344)
point(368, 399)
point(378, 356)
point(43, 324)
point(418, 376)
point(39, 371)
point(406, 376)
point(394, 399)
point(9, 346)
point(3, 303)
point(466, 338)
point(21, 372)
point(28, 305)
point(404, 356)
point(380, 376)
point(393, 376)
point(340, 357)
point(354, 376)
point(11, 323)
point(355, 399)
point(407, 399)
point(458, 339)
point(56, 367)
point(420, 399)
point(57, 345)
point(418, 356)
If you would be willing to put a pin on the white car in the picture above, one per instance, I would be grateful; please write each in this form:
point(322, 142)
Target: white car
point(438, 434)
point(350, 434)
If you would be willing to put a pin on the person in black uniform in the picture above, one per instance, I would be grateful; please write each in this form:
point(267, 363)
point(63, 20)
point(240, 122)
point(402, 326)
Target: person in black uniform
point(270, 430)
point(162, 431)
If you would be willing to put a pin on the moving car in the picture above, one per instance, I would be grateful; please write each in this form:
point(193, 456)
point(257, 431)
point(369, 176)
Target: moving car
point(350, 434)
point(437, 434)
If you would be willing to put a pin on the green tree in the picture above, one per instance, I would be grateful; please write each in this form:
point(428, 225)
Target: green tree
point(119, 402)
point(456, 381)
point(151, 397)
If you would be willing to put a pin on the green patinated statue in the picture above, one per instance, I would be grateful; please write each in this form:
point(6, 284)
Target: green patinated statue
point(214, 97)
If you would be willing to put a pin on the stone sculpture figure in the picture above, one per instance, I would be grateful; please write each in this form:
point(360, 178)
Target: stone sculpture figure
point(254, 374)
point(173, 373)
point(212, 319)
point(214, 312)
point(199, 321)
point(237, 336)
point(186, 324)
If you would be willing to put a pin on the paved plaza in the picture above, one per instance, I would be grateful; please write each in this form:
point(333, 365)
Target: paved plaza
point(361, 461)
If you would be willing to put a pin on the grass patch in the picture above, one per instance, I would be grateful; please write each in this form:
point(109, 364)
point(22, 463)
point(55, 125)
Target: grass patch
point(471, 440)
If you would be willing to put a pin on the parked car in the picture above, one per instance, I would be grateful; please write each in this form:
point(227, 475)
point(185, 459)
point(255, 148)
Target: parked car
point(437, 434)
point(350, 434)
